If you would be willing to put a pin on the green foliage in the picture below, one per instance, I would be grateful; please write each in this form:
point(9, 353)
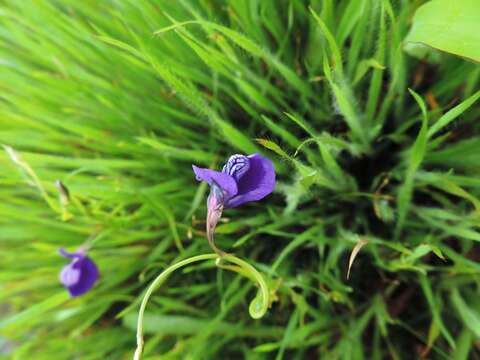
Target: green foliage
point(450, 26)
point(373, 147)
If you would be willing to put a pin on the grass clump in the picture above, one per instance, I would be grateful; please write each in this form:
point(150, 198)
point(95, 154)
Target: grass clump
point(118, 98)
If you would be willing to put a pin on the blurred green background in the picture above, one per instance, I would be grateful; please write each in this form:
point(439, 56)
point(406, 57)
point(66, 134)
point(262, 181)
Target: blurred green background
point(374, 135)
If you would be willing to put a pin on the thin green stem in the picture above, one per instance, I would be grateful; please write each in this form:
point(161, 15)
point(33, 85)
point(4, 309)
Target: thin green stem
point(256, 309)
point(255, 313)
point(17, 159)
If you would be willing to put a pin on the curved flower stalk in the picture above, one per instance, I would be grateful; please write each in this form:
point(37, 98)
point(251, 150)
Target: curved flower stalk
point(242, 179)
point(80, 274)
point(258, 307)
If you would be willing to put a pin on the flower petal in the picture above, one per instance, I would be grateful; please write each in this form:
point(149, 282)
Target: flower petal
point(88, 276)
point(75, 255)
point(69, 276)
point(225, 181)
point(256, 183)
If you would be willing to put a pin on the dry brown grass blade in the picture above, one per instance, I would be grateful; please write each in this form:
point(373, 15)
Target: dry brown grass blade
point(361, 243)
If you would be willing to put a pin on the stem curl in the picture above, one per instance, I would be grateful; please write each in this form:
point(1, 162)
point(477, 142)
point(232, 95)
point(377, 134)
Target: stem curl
point(258, 307)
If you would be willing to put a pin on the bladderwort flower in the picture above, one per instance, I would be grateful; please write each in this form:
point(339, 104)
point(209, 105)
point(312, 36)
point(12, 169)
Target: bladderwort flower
point(80, 274)
point(242, 179)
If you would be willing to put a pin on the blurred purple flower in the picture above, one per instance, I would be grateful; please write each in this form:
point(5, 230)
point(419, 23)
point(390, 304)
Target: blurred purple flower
point(242, 179)
point(80, 274)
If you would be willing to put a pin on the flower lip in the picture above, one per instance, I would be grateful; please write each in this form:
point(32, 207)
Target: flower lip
point(258, 182)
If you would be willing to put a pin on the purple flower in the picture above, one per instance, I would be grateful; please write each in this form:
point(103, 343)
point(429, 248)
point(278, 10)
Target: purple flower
point(80, 274)
point(242, 179)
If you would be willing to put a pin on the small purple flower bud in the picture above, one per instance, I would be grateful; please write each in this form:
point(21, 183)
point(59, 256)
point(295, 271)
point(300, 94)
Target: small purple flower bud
point(215, 202)
point(80, 274)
